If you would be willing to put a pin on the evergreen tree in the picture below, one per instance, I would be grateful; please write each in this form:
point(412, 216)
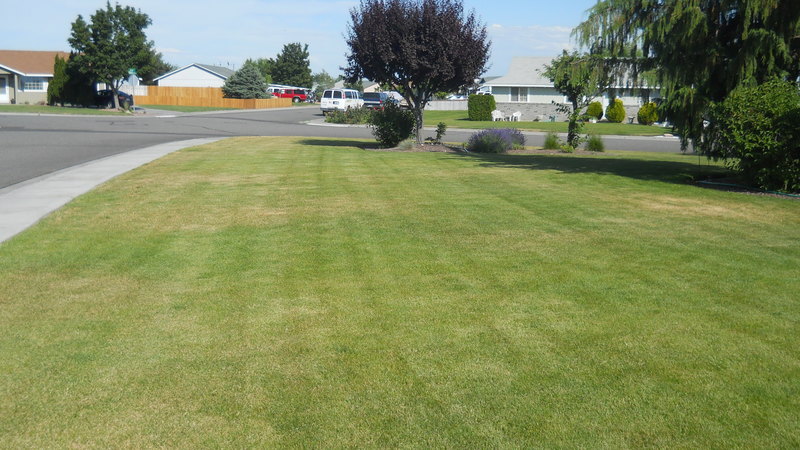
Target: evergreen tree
point(155, 67)
point(264, 66)
point(79, 88)
point(699, 51)
point(55, 89)
point(246, 82)
point(292, 66)
point(110, 44)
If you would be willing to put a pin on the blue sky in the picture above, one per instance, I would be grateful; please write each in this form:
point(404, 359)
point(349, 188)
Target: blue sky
point(230, 31)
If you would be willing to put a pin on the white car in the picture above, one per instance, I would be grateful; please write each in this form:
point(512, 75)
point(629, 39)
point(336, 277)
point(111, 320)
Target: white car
point(399, 99)
point(340, 100)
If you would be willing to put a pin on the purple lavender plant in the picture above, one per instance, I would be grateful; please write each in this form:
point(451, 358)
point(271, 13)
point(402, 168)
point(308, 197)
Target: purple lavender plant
point(495, 140)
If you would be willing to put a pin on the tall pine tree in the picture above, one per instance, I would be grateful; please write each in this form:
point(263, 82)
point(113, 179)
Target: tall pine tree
point(292, 67)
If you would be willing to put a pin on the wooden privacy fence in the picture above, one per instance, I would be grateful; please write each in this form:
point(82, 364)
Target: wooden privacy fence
point(201, 96)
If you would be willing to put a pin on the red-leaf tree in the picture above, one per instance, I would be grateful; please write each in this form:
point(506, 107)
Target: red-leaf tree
point(418, 46)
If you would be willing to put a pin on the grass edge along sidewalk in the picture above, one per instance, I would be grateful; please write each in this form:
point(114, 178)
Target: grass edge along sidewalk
point(288, 292)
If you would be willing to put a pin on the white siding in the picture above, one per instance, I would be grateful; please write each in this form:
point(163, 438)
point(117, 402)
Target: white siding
point(192, 77)
point(545, 95)
point(501, 94)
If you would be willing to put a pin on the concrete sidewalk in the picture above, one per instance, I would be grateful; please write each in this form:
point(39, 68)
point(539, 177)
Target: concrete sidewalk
point(24, 204)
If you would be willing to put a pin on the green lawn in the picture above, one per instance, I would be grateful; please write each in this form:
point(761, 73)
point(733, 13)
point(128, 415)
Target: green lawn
point(459, 119)
point(188, 109)
point(44, 109)
point(275, 292)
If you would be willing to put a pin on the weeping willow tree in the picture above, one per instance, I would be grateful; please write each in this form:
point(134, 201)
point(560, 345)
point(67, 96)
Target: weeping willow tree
point(698, 50)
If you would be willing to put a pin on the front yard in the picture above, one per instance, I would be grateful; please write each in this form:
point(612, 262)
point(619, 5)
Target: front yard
point(459, 119)
point(278, 292)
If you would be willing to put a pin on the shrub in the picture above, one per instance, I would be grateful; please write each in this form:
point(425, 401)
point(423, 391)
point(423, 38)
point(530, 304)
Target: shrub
point(441, 130)
point(481, 106)
point(615, 111)
point(496, 140)
point(755, 131)
point(551, 141)
point(350, 116)
point(595, 110)
point(648, 114)
point(391, 125)
point(595, 144)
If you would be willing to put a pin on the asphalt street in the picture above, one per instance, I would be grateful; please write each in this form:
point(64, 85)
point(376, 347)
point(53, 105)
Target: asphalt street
point(36, 145)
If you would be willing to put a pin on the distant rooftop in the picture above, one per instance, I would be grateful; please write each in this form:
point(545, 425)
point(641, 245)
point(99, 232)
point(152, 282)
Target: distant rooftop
point(30, 62)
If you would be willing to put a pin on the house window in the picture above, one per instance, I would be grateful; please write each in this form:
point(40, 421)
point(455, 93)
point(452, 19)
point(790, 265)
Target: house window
point(33, 84)
point(519, 94)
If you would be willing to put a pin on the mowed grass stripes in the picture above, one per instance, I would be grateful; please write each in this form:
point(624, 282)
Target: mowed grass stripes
point(305, 292)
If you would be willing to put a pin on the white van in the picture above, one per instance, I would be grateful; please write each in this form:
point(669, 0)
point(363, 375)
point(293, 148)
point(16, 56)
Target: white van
point(340, 99)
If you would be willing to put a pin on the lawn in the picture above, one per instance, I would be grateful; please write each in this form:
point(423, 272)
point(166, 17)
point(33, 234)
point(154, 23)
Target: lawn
point(277, 292)
point(45, 109)
point(459, 119)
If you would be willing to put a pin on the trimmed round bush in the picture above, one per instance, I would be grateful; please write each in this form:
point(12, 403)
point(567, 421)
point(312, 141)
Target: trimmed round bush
point(595, 110)
point(496, 140)
point(391, 125)
point(480, 107)
point(648, 114)
point(615, 111)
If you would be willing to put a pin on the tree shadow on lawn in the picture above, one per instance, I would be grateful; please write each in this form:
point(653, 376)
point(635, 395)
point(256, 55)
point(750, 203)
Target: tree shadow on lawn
point(360, 144)
point(640, 169)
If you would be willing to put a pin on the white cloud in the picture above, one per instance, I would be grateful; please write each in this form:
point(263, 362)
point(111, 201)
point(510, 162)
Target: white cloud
point(533, 40)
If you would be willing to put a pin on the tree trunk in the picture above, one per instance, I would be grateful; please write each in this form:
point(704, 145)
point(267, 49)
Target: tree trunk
point(418, 113)
point(572, 131)
point(115, 91)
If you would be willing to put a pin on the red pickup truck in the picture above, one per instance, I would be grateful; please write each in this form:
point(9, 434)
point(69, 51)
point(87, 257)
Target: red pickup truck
point(297, 95)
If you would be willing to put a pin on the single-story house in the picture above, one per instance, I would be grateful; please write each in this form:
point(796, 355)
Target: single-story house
point(25, 74)
point(525, 89)
point(369, 86)
point(195, 75)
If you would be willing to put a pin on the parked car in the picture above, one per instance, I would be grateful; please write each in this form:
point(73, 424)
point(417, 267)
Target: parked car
point(297, 95)
point(377, 100)
point(398, 99)
point(105, 99)
point(340, 100)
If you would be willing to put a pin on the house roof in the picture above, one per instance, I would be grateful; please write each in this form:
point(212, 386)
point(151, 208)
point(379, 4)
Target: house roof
point(221, 72)
point(524, 71)
point(364, 82)
point(30, 62)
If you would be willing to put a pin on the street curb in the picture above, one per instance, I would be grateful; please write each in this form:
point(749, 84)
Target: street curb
point(24, 204)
